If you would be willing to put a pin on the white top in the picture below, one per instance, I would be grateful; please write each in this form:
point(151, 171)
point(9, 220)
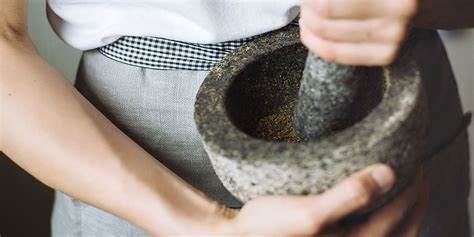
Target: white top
point(88, 24)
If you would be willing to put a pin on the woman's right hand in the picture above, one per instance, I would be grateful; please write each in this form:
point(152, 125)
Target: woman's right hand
point(310, 215)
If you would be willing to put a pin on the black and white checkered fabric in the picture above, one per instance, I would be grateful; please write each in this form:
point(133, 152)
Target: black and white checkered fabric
point(166, 54)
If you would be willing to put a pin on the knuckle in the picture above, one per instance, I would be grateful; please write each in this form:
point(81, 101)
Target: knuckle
point(326, 52)
point(319, 27)
point(384, 61)
point(323, 8)
point(313, 226)
point(321, 51)
point(317, 45)
point(305, 38)
point(389, 57)
point(316, 227)
point(397, 33)
point(311, 46)
point(325, 55)
point(408, 8)
point(362, 190)
point(309, 221)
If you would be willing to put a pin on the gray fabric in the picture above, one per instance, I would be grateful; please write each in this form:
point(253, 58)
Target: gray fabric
point(448, 176)
point(155, 108)
point(447, 166)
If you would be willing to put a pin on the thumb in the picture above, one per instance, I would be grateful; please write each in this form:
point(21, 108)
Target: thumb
point(353, 194)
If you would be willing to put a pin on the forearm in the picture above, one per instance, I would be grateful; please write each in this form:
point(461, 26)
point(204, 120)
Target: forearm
point(54, 133)
point(445, 14)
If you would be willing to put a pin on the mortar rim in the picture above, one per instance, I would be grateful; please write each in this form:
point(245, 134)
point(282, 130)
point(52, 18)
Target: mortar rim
point(221, 135)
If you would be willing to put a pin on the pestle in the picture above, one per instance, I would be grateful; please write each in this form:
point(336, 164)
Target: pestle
point(325, 96)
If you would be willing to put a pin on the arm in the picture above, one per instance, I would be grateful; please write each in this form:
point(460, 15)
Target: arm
point(55, 134)
point(445, 14)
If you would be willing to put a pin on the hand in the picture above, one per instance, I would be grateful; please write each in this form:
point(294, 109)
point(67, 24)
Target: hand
point(310, 215)
point(356, 32)
point(404, 215)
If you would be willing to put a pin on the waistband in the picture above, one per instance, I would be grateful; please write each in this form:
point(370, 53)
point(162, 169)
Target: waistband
point(165, 54)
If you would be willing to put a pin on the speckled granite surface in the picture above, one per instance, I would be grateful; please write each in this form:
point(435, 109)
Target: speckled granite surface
point(262, 78)
point(327, 93)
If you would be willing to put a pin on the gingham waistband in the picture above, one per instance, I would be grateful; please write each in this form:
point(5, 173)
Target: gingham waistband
point(165, 54)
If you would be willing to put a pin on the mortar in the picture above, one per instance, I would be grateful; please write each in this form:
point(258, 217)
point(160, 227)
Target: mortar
point(244, 114)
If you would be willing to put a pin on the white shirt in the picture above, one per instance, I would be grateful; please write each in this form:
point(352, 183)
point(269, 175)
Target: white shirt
point(88, 24)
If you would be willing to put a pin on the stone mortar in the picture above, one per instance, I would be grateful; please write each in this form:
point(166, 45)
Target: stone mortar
point(261, 80)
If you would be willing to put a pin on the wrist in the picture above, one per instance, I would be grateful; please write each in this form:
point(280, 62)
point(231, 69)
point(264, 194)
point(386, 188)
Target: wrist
point(195, 215)
point(217, 219)
point(226, 220)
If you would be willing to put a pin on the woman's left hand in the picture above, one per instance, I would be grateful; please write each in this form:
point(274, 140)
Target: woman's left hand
point(402, 217)
point(356, 32)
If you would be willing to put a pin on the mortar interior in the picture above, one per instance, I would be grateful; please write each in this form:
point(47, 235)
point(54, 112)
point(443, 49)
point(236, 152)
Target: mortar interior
point(261, 99)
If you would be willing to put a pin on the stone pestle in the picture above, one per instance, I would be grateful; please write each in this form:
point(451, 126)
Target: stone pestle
point(326, 93)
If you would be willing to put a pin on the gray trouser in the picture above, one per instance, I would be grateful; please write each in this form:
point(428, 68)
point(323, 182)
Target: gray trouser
point(155, 108)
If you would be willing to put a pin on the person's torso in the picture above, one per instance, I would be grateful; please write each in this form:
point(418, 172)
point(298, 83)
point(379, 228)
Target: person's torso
point(89, 24)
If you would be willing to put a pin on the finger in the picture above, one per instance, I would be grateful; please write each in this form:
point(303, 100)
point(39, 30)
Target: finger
point(367, 54)
point(382, 222)
point(361, 9)
point(413, 224)
point(374, 30)
point(352, 194)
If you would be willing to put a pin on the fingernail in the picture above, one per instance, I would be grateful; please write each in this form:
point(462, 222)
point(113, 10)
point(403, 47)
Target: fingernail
point(383, 176)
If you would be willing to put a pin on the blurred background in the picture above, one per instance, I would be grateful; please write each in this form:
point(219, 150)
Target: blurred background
point(25, 204)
